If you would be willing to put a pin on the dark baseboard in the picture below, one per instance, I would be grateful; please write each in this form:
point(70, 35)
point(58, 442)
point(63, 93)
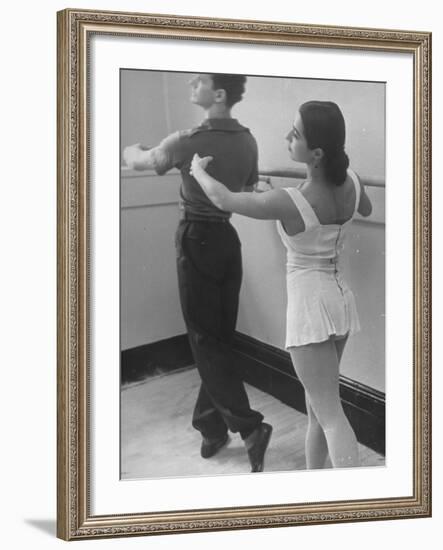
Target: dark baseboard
point(156, 358)
point(270, 370)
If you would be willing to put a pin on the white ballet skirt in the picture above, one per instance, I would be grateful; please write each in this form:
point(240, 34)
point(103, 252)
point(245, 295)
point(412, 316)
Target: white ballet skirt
point(320, 303)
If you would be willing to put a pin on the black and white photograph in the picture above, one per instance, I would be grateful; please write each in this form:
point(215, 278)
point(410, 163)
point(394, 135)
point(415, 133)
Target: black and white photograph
point(252, 274)
point(220, 229)
point(243, 233)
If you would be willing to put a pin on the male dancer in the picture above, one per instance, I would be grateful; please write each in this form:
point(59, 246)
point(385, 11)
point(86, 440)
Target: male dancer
point(209, 261)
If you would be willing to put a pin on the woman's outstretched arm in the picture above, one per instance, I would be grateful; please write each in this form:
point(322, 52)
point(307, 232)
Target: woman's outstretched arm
point(365, 205)
point(272, 205)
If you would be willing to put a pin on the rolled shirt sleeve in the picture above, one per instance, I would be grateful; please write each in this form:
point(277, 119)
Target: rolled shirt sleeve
point(168, 154)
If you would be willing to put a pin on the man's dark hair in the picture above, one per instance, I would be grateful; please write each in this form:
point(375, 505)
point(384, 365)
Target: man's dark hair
point(233, 84)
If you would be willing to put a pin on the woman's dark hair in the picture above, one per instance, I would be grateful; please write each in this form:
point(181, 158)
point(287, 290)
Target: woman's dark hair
point(324, 128)
point(233, 84)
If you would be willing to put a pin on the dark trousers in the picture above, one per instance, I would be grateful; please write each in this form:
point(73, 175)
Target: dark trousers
point(209, 274)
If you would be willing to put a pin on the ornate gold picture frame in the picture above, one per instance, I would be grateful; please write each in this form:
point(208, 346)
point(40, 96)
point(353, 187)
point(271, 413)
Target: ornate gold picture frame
point(77, 517)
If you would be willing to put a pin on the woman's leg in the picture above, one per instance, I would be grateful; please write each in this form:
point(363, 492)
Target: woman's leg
point(317, 366)
point(340, 344)
point(316, 445)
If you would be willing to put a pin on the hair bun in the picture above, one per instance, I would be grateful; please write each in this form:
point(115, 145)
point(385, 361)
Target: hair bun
point(324, 128)
point(336, 166)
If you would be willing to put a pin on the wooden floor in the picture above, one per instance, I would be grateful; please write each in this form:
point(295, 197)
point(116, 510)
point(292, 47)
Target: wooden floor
point(157, 439)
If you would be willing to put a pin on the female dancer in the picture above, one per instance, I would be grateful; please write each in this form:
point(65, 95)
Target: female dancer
point(313, 223)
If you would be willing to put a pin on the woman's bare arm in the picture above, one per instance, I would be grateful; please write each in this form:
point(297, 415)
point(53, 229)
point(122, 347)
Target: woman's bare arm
point(272, 205)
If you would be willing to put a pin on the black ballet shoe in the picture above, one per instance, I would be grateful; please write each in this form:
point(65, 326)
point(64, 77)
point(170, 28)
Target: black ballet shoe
point(211, 446)
point(257, 450)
